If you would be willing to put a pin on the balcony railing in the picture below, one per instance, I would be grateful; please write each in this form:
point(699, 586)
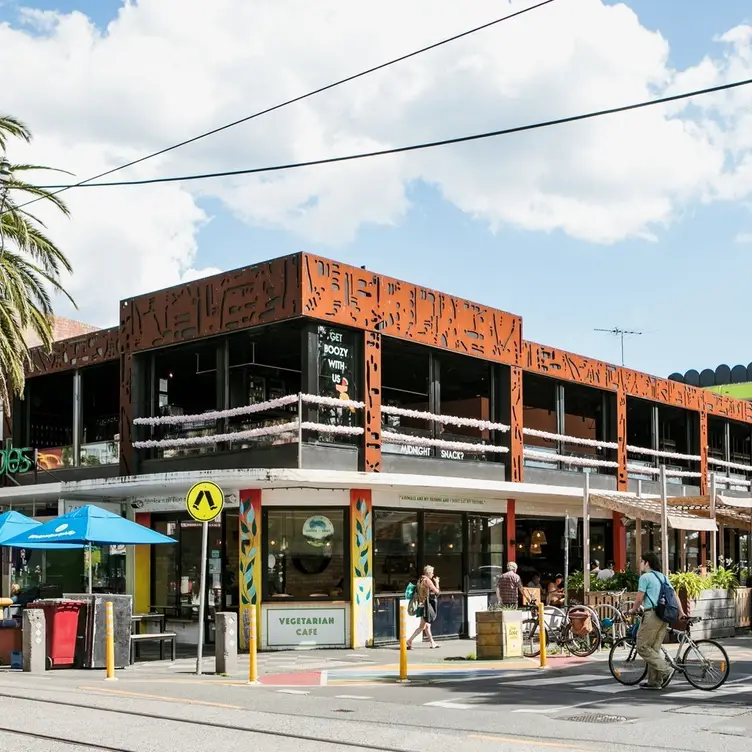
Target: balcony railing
point(736, 475)
point(648, 470)
point(208, 429)
point(451, 446)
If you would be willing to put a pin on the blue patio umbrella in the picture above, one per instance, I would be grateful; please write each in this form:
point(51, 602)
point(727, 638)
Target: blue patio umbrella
point(13, 524)
point(86, 526)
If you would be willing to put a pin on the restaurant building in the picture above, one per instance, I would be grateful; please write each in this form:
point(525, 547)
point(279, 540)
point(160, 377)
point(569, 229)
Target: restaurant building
point(361, 427)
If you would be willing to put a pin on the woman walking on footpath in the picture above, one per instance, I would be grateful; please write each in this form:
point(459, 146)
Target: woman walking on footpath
point(428, 591)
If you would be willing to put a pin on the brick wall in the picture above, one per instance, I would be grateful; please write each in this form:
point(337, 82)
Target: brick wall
point(62, 329)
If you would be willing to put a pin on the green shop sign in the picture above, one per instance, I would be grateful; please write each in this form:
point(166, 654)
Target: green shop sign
point(14, 461)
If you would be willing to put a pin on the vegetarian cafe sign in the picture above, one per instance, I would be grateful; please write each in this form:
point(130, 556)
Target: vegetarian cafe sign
point(14, 461)
point(290, 627)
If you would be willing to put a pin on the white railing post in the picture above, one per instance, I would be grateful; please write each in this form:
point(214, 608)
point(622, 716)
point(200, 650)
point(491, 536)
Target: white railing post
point(300, 431)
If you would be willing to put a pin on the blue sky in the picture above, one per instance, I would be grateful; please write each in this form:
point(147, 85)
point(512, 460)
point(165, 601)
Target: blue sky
point(682, 291)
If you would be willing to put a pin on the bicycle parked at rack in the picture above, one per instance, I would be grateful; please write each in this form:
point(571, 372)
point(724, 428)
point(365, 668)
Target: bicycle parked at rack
point(577, 630)
point(704, 663)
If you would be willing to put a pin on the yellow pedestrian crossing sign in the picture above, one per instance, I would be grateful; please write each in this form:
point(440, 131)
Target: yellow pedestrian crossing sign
point(204, 501)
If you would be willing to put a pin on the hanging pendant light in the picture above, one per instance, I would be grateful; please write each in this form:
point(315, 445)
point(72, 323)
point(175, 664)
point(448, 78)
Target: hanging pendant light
point(539, 538)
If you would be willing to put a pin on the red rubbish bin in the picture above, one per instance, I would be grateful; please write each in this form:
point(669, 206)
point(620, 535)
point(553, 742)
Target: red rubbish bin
point(61, 618)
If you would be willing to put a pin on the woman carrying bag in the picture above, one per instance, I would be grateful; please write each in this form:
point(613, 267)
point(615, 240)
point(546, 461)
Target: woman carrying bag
point(428, 592)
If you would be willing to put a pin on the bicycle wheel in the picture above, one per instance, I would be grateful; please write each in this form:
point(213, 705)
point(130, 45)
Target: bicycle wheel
point(705, 664)
point(625, 664)
point(531, 638)
point(581, 644)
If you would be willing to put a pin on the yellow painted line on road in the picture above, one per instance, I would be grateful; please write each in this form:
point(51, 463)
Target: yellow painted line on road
point(142, 696)
point(529, 742)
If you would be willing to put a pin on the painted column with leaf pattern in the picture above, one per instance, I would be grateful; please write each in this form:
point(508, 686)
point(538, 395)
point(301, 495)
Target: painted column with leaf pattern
point(249, 575)
point(361, 564)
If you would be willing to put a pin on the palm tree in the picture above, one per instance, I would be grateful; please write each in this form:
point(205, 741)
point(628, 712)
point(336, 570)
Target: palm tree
point(30, 265)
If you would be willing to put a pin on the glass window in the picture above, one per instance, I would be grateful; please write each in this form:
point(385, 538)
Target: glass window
point(442, 545)
point(264, 365)
point(306, 552)
point(165, 568)
point(465, 392)
point(48, 408)
point(584, 417)
point(100, 413)
point(395, 550)
point(486, 551)
point(185, 383)
point(740, 438)
point(405, 379)
point(539, 409)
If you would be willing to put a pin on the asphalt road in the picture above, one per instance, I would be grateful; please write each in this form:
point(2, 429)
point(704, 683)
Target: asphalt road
point(580, 709)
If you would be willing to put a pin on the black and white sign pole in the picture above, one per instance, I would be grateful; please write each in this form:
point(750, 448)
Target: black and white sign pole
point(202, 596)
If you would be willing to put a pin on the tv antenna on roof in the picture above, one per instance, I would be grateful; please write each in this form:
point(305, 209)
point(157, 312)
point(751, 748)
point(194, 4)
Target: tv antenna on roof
point(621, 333)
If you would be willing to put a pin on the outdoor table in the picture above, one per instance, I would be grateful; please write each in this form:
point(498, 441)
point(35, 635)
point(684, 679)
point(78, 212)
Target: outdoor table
point(138, 619)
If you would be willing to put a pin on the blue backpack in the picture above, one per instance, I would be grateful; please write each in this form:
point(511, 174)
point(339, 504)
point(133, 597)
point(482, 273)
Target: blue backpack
point(667, 608)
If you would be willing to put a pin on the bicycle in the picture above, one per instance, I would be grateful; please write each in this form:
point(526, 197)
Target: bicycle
point(577, 631)
point(689, 652)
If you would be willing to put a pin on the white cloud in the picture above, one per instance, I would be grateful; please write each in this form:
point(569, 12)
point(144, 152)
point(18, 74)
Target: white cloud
point(743, 238)
point(97, 98)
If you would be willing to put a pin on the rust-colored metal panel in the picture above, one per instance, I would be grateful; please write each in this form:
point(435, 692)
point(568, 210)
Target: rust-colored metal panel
point(77, 352)
point(127, 456)
point(622, 476)
point(358, 298)
point(565, 365)
point(239, 299)
point(571, 367)
point(516, 440)
point(703, 453)
point(372, 417)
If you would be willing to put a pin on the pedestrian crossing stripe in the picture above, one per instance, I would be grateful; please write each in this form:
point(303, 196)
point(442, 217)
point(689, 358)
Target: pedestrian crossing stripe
point(205, 501)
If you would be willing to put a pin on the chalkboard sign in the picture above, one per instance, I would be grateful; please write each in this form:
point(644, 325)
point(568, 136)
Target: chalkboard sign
point(338, 376)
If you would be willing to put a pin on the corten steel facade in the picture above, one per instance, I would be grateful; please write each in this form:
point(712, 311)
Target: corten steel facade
point(303, 291)
point(308, 286)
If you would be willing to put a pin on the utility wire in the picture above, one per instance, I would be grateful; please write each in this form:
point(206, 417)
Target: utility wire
point(414, 147)
point(300, 98)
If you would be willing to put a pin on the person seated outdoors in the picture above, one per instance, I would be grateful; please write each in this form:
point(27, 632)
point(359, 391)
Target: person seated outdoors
point(555, 593)
point(535, 581)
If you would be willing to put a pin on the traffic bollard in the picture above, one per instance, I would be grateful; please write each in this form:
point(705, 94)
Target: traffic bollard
point(542, 633)
point(403, 645)
point(252, 648)
point(109, 631)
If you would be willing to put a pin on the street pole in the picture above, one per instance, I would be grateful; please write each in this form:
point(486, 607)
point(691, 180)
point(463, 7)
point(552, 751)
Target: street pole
point(664, 521)
point(5, 178)
point(202, 595)
point(714, 533)
point(586, 535)
point(566, 561)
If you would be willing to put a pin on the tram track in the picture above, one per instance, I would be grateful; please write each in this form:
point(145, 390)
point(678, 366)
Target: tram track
point(460, 731)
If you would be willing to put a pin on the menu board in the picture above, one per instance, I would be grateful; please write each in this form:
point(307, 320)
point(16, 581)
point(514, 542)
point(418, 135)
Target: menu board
point(338, 375)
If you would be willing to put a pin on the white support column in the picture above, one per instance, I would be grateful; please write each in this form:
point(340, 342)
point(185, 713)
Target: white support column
point(664, 521)
point(714, 534)
point(586, 532)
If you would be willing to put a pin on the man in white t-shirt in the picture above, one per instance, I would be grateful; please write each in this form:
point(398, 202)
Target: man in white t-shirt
point(607, 573)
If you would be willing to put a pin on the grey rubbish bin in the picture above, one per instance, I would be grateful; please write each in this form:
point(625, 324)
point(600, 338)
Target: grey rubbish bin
point(91, 651)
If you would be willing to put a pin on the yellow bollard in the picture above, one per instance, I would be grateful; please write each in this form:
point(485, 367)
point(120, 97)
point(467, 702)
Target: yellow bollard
point(252, 648)
point(542, 633)
point(109, 631)
point(403, 645)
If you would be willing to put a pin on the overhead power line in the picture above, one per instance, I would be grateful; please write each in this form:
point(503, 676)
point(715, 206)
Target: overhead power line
point(301, 97)
point(412, 147)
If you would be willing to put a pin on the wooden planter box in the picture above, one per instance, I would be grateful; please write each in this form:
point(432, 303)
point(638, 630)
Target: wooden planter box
point(499, 634)
point(717, 608)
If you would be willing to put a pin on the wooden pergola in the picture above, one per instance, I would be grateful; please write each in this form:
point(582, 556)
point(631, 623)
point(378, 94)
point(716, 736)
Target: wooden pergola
point(707, 513)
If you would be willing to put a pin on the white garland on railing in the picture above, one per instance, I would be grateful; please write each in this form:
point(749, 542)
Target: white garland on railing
point(217, 438)
point(650, 470)
point(250, 434)
point(450, 420)
point(327, 428)
point(461, 446)
point(659, 453)
point(731, 481)
point(730, 465)
point(259, 407)
point(584, 461)
point(570, 439)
